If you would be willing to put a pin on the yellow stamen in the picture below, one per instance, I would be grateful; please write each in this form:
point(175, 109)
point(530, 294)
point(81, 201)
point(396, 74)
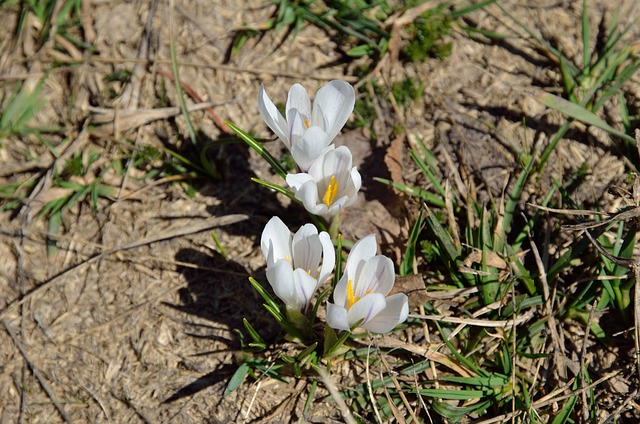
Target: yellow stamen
point(332, 191)
point(351, 298)
point(306, 123)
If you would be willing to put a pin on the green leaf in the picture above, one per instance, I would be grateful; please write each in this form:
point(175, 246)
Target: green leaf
point(443, 237)
point(321, 298)
point(180, 94)
point(302, 356)
point(457, 414)
point(55, 222)
point(307, 403)
point(237, 378)
point(361, 50)
point(514, 196)
point(330, 338)
point(455, 394)
point(472, 8)
point(257, 339)
point(426, 170)
point(266, 296)
point(429, 197)
point(275, 187)
point(580, 113)
point(21, 108)
point(564, 415)
point(258, 147)
point(338, 270)
point(284, 323)
point(406, 266)
point(586, 36)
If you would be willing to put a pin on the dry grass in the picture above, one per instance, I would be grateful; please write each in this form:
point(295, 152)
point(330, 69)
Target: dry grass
point(133, 319)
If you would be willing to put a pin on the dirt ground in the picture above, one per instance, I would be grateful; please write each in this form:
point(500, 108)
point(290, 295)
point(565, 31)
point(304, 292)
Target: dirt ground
point(134, 318)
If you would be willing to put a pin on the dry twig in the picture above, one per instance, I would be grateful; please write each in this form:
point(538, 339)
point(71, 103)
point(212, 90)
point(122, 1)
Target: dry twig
point(35, 371)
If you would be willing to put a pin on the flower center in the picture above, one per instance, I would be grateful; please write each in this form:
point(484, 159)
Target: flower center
point(306, 123)
point(331, 192)
point(351, 296)
point(352, 299)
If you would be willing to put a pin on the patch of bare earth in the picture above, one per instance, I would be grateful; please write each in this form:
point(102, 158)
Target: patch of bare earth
point(134, 318)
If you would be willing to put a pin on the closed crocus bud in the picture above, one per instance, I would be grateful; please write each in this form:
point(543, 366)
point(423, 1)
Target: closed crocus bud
point(361, 293)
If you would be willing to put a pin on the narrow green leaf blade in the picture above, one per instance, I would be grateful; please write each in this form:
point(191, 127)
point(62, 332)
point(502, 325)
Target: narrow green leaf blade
point(580, 113)
point(410, 253)
point(258, 147)
point(237, 378)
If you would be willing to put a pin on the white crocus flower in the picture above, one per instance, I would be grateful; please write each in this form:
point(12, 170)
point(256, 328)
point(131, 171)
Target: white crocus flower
point(293, 261)
point(361, 293)
point(307, 131)
point(330, 184)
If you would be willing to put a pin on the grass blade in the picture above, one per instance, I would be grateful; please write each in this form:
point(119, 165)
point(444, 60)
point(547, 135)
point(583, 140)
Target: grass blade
point(237, 378)
point(406, 266)
point(580, 113)
point(443, 237)
point(586, 35)
point(275, 187)
point(258, 147)
point(427, 172)
point(179, 92)
point(257, 339)
point(428, 197)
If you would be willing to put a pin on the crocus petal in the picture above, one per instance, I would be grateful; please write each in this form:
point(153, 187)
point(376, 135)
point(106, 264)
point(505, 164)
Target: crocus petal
point(367, 307)
point(307, 249)
point(340, 291)
point(361, 251)
point(333, 167)
point(377, 276)
point(332, 106)
point(310, 147)
point(297, 127)
point(337, 317)
point(272, 116)
point(299, 99)
point(356, 179)
point(339, 204)
point(334, 162)
point(328, 257)
point(308, 195)
point(305, 286)
point(294, 287)
point(280, 276)
point(296, 181)
point(395, 312)
point(276, 241)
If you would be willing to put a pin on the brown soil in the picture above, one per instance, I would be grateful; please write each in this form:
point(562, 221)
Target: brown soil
point(134, 318)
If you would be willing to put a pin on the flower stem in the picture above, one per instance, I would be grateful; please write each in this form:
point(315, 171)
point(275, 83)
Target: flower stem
point(334, 229)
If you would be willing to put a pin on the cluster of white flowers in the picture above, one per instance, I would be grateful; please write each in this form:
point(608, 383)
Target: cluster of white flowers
point(327, 181)
point(297, 264)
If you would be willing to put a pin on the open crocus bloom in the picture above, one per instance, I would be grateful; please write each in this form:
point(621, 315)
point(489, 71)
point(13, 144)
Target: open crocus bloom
point(293, 261)
point(361, 293)
point(330, 184)
point(307, 131)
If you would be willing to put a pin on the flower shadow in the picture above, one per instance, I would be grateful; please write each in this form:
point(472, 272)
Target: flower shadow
point(216, 298)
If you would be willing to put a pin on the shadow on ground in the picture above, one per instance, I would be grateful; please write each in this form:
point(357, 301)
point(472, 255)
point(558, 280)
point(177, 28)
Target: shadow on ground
point(218, 291)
